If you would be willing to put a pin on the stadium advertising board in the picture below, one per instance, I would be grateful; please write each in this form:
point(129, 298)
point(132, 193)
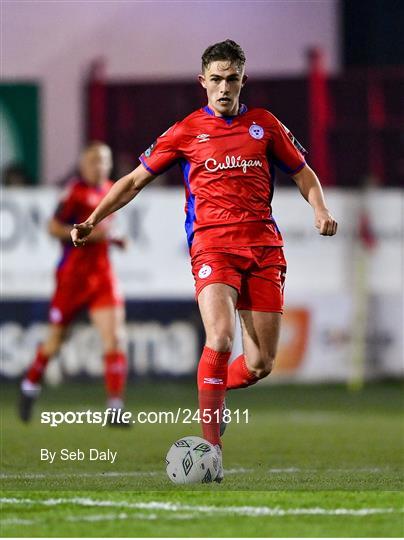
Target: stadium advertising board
point(322, 299)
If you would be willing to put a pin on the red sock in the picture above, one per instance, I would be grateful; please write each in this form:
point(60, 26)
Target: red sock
point(212, 377)
point(115, 374)
point(239, 376)
point(37, 368)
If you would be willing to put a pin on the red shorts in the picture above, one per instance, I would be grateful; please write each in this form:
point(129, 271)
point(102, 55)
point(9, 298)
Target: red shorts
point(74, 293)
point(257, 273)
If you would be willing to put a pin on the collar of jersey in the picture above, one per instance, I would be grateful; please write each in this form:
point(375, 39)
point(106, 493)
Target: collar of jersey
point(228, 119)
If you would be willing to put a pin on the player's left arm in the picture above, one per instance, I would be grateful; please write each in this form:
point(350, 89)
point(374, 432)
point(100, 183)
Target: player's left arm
point(310, 187)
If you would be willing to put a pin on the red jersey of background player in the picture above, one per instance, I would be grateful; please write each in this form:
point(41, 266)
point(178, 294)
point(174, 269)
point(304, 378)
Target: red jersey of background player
point(79, 200)
point(228, 167)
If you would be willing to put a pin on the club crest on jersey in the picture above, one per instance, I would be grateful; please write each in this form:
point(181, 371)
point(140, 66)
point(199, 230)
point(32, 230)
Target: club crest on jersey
point(256, 131)
point(205, 271)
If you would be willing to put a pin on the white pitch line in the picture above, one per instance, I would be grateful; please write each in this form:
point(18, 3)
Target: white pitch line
point(112, 517)
point(250, 511)
point(17, 521)
point(110, 474)
point(92, 518)
point(124, 516)
point(38, 476)
point(240, 470)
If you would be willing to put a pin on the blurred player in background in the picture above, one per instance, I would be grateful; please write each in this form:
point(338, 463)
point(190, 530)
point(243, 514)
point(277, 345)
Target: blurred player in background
point(84, 279)
point(227, 154)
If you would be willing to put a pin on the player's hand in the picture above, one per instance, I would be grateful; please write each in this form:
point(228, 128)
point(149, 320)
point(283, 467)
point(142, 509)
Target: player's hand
point(80, 233)
point(325, 223)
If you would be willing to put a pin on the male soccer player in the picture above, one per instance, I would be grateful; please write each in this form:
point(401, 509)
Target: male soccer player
point(227, 154)
point(84, 279)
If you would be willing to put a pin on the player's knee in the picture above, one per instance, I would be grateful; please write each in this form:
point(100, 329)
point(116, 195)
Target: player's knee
point(221, 341)
point(52, 346)
point(261, 373)
point(115, 341)
point(264, 366)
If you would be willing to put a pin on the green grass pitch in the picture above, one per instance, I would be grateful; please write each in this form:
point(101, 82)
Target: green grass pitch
point(311, 461)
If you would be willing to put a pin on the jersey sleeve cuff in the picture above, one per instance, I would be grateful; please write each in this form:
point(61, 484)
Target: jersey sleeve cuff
point(299, 168)
point(146, 166)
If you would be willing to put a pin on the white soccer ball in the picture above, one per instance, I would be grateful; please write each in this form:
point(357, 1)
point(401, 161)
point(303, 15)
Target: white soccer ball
point(192, 460)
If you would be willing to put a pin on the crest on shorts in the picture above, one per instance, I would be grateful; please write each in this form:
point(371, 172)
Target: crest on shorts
point(205, 271)
point(256, 131)
point(55, 315)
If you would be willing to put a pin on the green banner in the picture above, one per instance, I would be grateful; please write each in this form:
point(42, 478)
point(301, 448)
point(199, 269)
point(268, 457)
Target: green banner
point(19, 133)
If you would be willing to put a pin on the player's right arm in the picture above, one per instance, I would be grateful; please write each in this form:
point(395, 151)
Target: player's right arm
point(122, 192)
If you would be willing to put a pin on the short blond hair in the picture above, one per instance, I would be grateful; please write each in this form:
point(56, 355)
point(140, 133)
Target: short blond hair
point(91, 145)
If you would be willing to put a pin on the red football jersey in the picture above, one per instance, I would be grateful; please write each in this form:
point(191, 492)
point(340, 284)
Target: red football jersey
point(77, 203)
point(228, 167)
